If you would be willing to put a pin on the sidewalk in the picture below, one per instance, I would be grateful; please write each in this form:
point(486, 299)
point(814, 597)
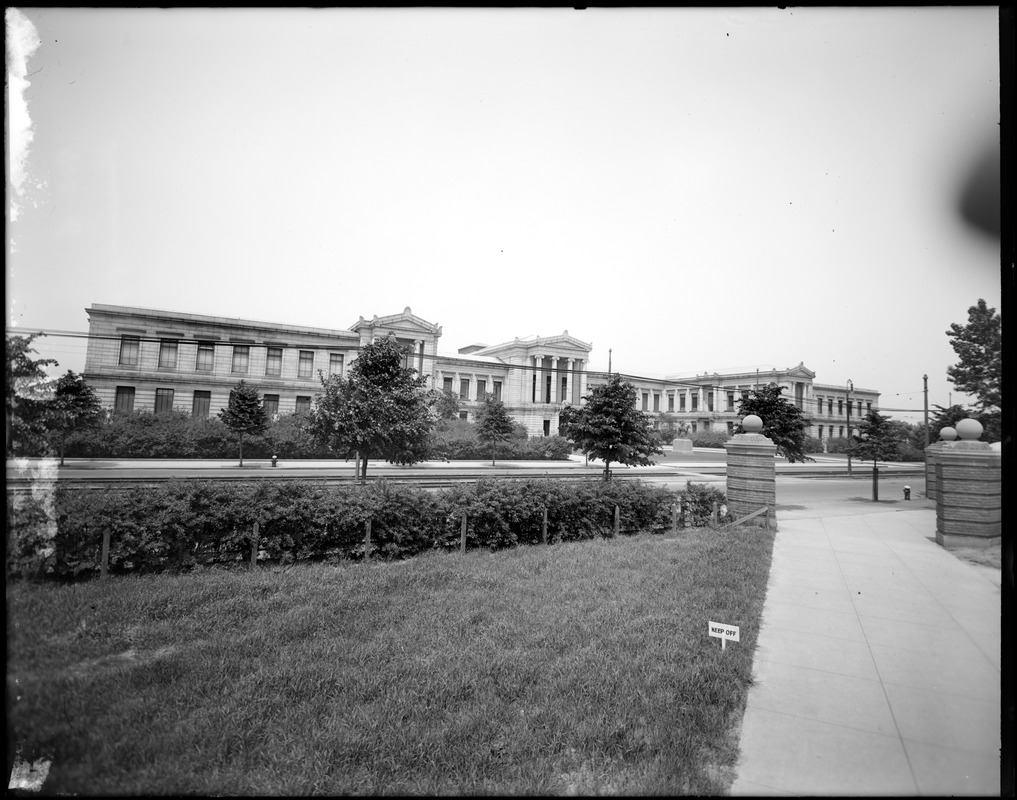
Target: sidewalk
point(877, 669)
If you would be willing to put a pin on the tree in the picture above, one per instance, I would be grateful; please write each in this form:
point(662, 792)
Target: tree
point(879, 438)
point(245, 413)
point(949, 417)
point(979, 346)
point(74, 407)
point(610, 427)
point(494, 425)
point(26, 398)
point(783, 422)
point(380, 409)
point(446, 404)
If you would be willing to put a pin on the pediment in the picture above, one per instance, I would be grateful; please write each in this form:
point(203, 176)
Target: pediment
point(406, 324)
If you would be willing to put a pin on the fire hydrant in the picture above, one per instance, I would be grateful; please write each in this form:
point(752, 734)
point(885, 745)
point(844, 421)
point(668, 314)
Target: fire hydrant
point(275, 459)
point(907, 492)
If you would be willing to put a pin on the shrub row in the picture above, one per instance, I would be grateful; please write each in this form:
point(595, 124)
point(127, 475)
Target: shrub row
point(184, 524)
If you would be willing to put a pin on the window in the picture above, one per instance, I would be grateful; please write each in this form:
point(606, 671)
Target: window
point(303, 404)
point(829, 406)
point(124, 399)
point(481, 390)
point(695, 401)
point(695, 426)
point(670, 402)
point(206, 357)
point(271, 404)
point(534, 398)
point(709, 401)
point(335, 364)
point(497, 390)
point(868, 406)
point(463, 415)
point(167, 354)
point(446, 385)
point(163, 401)
point(202, 404)
point(681, 401)
point(547, 388)
point(241, 357)
point(547, 427)
point(129, 346)
point(273, 362)
point(840, 407)
point(656, 402)
point(564, 389)
point(730, 429)
point(305, 366)
point(820, 429)
point(730, 401)
point(840, 432)
point(464, 389)
point(646, 401)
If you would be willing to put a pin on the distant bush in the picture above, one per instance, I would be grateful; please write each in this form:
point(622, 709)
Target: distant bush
point(838, 444)
point(709, 439)
point(812, 445)
point(181, 525)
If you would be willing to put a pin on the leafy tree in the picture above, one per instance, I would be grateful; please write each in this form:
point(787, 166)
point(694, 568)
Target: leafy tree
point(879, 438)
point(783, 422)
point(669, 427)
point(446, 404)
point(610, 427)
point(244, 413)
point(949, 417)
point(979, 346)
point(380, 409)
point(494, 425)
point(26, 398)
point(74, 407)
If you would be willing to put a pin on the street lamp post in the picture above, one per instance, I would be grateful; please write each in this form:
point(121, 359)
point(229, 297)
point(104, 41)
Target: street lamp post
point(925, 379)
point(850, 388)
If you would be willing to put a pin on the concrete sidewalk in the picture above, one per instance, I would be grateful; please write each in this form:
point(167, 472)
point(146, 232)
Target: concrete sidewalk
point(877, 669)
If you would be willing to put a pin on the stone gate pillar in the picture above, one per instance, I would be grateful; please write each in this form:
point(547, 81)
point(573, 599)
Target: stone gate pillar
point(751, 473)
point(968, 490)
point(932, 452)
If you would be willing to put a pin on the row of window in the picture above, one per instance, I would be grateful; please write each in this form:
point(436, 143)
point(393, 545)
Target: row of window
point(840, 432)
point(204, 361)
point(201, 402)
point(464, 389)
point(840, 407)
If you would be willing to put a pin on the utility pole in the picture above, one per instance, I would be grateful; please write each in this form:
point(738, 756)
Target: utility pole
point(925, 378)
point(850, 387)
point(609, 362)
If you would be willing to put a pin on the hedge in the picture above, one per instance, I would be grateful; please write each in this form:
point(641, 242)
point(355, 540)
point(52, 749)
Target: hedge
point(182, 525)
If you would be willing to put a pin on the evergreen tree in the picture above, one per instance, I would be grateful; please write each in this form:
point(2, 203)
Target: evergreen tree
point(783, 422)
point(244, 413)
point(74, 407)
point(979, 346)
point(494, 425)
point(879, 438)
point(610, 427)
point(380, 409)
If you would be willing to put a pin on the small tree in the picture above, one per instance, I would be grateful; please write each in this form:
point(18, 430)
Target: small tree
point(25, 396)
point(244, 414)
point(783, 422)
point(445, 404)
point(879, 439)
point(610, 427)
point(979, 346)
point(74, 407)
point(494, 425)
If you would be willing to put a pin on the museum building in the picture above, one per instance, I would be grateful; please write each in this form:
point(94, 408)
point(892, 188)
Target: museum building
point(147, 359)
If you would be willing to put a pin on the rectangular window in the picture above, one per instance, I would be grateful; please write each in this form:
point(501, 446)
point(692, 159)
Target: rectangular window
point(305, 366)
point(547, 427)
point(129, 347)
point(481, 390)
point(335, 364)
point(464, 388)
point(829, 407)
point(730, 401)
point(273, 362)
point(646, 401)
point(681, 401)
point(163, 401)
point(730, 429)
point(820, 429)
point(206, 357)
point(271, 404)
point(695, 401)
point(868, 406)
point(167, 354)
point(241, 357)
point(564, 389)
point(534, 398)
point(695, 426)
point(840, 408)
point(303, 404)
point(709, 401)
point(124, 399)
point(656, 402)
point(446, 385)
point(840, 432)
point(463, 415)
point(497, 390)
point(547, 388)
point(202, 404)
point(670, 402)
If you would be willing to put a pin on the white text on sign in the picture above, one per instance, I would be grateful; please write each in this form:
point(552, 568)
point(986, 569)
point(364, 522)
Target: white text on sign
point(725, 632)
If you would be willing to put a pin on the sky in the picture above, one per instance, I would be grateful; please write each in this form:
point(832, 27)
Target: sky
point(692, 189)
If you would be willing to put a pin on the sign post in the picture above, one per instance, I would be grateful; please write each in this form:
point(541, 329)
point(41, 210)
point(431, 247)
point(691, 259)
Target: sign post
point(724, 632)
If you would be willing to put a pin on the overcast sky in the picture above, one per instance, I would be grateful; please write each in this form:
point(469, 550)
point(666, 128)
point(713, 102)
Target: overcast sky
point(694, 189)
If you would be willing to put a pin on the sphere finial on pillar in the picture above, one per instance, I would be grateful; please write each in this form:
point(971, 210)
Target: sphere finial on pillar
point(947, 434)
point(969, 429)
point(752, 424)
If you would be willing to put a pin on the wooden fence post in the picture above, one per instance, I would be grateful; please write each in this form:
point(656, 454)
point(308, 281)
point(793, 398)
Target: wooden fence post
point(462, 535)
point(715, 517)
point(543, 528)
point(104, 563)
point(617, 521)
point(254, 547)
point(367, 539)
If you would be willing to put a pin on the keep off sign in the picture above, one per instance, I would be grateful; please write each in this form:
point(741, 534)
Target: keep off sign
point(724, 632)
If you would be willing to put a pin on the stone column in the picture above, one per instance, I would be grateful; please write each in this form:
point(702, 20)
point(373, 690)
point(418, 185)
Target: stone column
point(538, 365)
point(968, 490)
point(570, 366)
point(751, 475)
point(931, 455)
point(554, 379)
point(581, 388)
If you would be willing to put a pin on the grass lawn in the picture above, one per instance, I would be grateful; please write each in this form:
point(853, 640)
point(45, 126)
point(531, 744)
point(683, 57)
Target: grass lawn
point(577, 668)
